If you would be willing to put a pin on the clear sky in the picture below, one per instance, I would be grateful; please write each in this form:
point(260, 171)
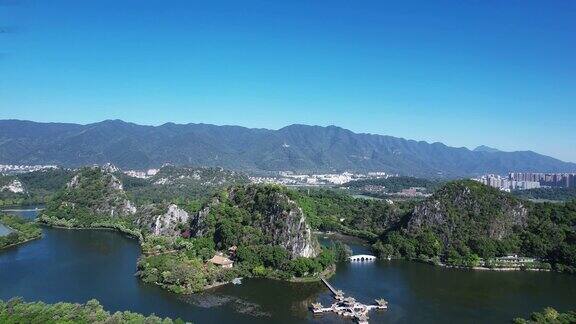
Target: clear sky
point(499, 73)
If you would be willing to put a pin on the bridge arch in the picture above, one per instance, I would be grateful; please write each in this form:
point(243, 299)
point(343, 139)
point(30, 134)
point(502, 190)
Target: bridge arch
point(362, 258)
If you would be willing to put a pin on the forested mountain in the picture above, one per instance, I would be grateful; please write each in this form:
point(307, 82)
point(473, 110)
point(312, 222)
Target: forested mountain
point(92, 191)
point(466, 220)
point(295, 147)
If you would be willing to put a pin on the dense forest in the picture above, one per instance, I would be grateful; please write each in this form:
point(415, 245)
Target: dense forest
point(181, 185)
point(17, 311)
point(330, 210)
point(551, 194)
point(22, 230)
point(394, 184)
point(37, 185)
point(548, 316)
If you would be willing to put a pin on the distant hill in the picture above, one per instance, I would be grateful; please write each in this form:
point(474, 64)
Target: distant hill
point(181, 183)
point(295, 147)
point(464, 210)
point(484, 148)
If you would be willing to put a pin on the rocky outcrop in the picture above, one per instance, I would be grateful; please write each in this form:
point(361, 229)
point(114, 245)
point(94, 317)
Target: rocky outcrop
point(198, 223)
point(469, 209)
point(15, 187)
point(296, 235)
point(280, 219)
point(98, 190)
point(169, 223)
point(285, 222)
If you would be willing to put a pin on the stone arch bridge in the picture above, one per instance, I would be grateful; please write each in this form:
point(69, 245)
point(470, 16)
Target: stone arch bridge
point(362, 258)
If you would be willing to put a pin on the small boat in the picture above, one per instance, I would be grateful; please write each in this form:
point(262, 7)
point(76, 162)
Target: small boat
point(237, 281)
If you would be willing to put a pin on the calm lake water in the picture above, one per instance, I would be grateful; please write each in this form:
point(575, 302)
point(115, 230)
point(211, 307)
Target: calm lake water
point(78, 265)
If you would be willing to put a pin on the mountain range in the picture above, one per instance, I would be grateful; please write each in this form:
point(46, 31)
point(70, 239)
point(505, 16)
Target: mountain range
point(298, 148)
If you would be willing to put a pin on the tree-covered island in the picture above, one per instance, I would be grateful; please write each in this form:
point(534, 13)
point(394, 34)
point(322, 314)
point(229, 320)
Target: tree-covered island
point(188, 245)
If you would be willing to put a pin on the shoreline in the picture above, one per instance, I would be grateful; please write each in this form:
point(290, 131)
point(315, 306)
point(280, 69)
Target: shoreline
point(138, 236)
point(21, 210)
point(495, 269)
point(214, 285)
point(17, 231)
point(345, 237)
point(111, 229)
point(19, 243)
point(477, 268)
point(327, 273)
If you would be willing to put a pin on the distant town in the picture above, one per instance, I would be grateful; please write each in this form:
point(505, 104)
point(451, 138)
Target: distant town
point(14, 169)
point(529, 180)
point(510, 182)
point(289, 178)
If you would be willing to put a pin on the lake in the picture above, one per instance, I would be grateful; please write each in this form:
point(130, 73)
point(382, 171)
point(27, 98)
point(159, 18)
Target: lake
point(78, 265)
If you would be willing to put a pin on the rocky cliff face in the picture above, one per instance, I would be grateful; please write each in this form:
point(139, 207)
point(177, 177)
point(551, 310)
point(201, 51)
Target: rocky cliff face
point(167, 221)
point(15, 186)
point(283, 220)
point(199, 222)
point(470, 209)
point(279, 219)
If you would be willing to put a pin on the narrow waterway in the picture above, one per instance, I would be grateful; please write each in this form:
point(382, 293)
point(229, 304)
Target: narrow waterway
point(77, 265)
point(4, 230)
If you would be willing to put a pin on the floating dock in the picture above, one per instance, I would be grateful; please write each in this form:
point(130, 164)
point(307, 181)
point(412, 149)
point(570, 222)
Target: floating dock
point(348, 306)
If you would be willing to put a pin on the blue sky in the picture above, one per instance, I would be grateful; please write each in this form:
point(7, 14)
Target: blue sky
point(465, 73)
